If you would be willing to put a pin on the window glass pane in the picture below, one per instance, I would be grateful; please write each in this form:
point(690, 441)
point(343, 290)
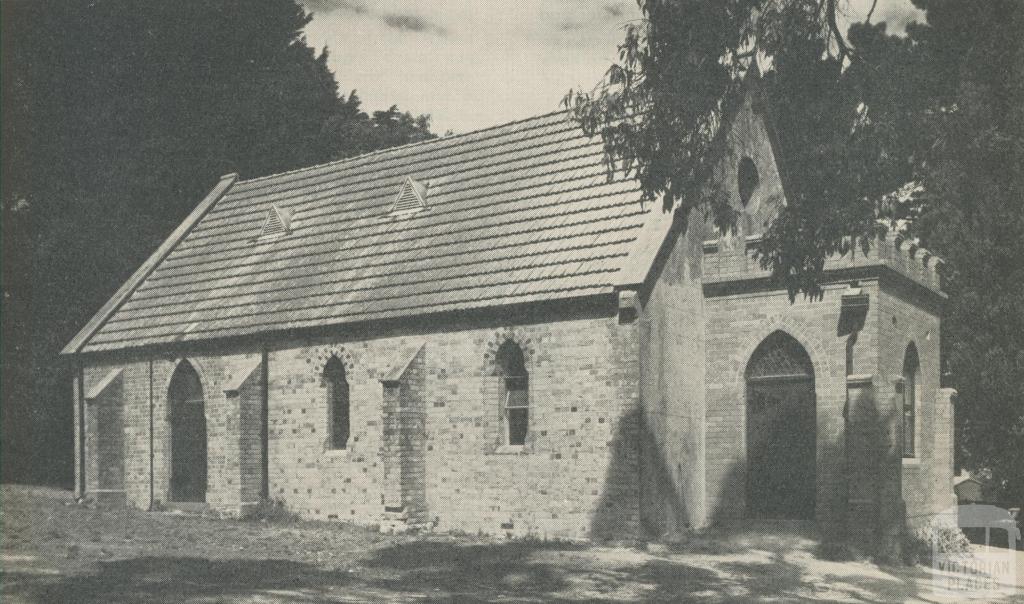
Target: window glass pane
point(779, 355)
point(910, 371)
point(515, 383)
point(518, 422)
point(514, 391)
point(908, 432)
point(337, 401)
point(339, 429)
point(517, 398)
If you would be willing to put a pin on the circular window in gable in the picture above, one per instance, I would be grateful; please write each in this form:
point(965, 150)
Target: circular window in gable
point(748, 179)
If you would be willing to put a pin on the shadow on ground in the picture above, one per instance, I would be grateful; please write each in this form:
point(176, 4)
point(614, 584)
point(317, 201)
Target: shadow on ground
point(423, 570)
point(56, 551)
point(536, 572)
point(172, 579)
point(419, 570)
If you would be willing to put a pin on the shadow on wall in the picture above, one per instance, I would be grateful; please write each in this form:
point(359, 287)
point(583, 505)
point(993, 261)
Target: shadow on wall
point(663, 509)
point(617, 513)
point(639, 498)
point(851, 482)
point(873, 469)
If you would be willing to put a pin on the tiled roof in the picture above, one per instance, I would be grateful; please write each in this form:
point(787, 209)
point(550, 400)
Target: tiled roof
point(516, 213)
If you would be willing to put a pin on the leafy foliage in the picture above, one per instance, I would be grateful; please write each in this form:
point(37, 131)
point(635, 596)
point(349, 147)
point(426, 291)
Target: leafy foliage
point(660, 111)
point(952, 96)
point(971, 58)
point(118, 117)
point(858, 114)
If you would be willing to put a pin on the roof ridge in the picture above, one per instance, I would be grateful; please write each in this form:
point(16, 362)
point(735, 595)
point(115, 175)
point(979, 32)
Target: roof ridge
point(350, 181)
point(398, 147)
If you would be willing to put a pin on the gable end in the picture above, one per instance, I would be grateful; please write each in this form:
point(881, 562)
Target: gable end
point(121, 296)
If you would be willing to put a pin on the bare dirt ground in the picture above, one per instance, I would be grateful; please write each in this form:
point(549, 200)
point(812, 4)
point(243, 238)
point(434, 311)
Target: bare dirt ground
point(54, 550)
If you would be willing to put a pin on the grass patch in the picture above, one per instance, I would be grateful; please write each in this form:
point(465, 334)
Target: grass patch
point(271, 511)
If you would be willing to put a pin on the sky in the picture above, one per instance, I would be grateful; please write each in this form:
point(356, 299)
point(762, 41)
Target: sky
point(471, 64)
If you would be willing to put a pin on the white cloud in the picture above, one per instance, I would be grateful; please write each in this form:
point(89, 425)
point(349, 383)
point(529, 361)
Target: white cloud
point(473, 63)
point(477, 63)
point(896, 13)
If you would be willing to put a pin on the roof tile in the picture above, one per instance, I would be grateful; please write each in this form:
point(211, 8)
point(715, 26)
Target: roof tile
point(517, 213)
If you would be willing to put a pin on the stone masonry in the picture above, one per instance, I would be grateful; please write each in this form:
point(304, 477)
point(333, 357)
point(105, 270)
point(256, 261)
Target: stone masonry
point(425, 447)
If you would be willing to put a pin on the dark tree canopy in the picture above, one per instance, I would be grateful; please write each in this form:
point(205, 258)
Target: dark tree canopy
point(661, 107)
point(117, 117)
point(858, 114)
point(970, 60)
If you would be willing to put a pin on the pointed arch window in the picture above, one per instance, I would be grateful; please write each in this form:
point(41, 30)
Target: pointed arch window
point(911, 385)
point(337, 403)
point(780, 357)
point(514, 387)
point(747, 179)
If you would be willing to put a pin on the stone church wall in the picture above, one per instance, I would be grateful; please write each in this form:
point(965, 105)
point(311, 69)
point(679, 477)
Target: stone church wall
point(576, 476)
point(907, 318)
point(735, 325)
point(672, 353)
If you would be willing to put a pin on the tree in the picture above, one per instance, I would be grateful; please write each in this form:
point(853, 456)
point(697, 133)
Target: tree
point(861, 113)
point(117, 117)
point(969, 57)
point(681, 70)
point(351, 131)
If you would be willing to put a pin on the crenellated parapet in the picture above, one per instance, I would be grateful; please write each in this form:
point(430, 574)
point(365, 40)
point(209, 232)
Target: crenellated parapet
point(729, 260)
point(908, 259)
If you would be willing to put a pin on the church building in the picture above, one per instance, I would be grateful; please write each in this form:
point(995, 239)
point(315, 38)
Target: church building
point(486, 333)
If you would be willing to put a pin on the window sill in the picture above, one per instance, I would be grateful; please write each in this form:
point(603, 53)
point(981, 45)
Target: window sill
point(510, 450)
point(911, 461)
point(335, 453)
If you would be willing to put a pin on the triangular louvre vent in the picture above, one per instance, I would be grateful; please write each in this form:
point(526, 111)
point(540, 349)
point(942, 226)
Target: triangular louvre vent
point(277, 223)
point(411, 197)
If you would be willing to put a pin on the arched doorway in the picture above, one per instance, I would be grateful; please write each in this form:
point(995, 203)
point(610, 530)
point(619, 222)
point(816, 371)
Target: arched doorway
point(781, 431)
point(188, 435)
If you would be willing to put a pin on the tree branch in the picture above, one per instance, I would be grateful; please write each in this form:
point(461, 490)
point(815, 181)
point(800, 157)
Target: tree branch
point(874, 3)
point(844, 49)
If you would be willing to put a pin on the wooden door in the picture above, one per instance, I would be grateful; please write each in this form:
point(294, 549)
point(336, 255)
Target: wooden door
point(781, 431)
point(781, 446)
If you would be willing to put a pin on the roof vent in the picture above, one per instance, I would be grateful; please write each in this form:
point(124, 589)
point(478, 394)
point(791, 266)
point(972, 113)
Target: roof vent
point(277, 223)
point(411, 197)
